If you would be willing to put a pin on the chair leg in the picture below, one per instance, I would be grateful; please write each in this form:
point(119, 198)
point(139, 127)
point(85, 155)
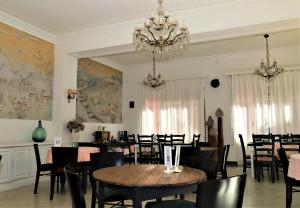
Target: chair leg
point(93, 204)
point(62, 182)
point(37, 178)
point(288, 195)
point(52, 185)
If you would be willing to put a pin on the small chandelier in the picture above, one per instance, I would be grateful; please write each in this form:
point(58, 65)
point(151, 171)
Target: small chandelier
point(267, 70)
point(161, 33)
point(153, 80)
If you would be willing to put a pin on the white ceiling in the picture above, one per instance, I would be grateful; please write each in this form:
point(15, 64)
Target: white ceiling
point(60, 16)
point(227, 46)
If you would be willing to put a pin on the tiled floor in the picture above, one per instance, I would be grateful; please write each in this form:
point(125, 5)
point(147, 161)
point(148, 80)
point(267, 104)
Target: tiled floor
point(264, 194)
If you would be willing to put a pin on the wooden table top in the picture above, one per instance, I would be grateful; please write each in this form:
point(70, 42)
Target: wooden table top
point(148, 176)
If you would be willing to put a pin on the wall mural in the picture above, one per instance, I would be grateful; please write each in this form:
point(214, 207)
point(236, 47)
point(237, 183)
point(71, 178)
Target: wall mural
point(26, 75)
point(100, 92)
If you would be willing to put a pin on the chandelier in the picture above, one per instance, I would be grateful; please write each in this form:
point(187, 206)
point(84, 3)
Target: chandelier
point(267, 70)
point(153, 80)
point(160, 34)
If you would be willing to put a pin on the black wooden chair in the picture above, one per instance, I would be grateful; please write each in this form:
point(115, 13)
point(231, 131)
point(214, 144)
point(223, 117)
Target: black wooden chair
point(264, 149)
point(41, 169)
point(61, 157)
point(209, 166)
point(245, 156)
point(177, 138)
point(147, 150)
point(223, 163)
point(130, 141)
point(77, 193)
point(196, 140)
point(290, 143)
point(227, 192)
point(0, 158)
point(290, 183)
point(103, 160)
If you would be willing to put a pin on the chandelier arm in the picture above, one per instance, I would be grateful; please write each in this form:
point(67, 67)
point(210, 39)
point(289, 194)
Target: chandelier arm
point(154, 40)
point(175, 39)
point(152, 20)
point(147, 39)
point(172, 30)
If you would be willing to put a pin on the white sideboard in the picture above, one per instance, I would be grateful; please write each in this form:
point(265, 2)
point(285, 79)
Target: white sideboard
point(18, 164)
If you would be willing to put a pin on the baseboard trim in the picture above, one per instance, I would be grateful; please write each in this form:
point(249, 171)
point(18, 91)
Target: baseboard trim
point(20, 183)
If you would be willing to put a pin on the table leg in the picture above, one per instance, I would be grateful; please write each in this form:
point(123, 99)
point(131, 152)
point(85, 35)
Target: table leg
point(135, 153)
point(137, 203)
point(100, 196)
point(252, 163)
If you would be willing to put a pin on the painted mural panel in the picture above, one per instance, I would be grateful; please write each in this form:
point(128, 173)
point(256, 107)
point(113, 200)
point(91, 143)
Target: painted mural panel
point(26, 75)
point(100, 92)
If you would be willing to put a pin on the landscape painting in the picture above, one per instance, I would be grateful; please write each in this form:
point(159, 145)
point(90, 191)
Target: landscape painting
point(26, 75)
point(99, 92)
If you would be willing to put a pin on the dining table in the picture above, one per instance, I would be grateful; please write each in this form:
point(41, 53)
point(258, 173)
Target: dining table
point(83, 154)
point(145, 182)
point(294, 167)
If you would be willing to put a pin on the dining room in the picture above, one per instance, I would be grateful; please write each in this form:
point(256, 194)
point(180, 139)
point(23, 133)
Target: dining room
point(149, 104)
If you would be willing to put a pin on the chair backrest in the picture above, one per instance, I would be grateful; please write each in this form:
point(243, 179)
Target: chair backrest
point(130, 141)
point(209, 166)
point(244, 153)
point(284, 161)
point(177, 138)
point(106, 159)
point(37, 155)
point(75, 185)
point(63, 156)
point(196, 140)
point(227, 192)
point(0, 158)
point(264, 145)
point(223, 162)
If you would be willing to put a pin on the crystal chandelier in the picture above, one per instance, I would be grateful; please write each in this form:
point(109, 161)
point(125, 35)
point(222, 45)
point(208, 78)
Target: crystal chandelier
point(161, 35)
point(154, 80)
point(267, 70)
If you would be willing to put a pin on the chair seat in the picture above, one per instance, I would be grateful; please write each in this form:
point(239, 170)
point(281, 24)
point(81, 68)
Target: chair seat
point(171, 204)
point(45, 167)
point(264, 159)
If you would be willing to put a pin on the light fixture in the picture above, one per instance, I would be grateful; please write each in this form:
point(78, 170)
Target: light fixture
point(268, 71)
point(160, 34)
point(71, 94)
point(154, 80)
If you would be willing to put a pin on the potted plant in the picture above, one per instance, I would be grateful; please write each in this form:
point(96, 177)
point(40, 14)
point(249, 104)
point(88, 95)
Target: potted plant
point(75, 126)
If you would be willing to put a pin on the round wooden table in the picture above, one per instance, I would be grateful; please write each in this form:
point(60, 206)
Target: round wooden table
point(145, 182)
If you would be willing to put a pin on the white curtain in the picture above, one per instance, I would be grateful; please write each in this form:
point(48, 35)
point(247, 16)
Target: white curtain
point(174, 108)
point(251, 113)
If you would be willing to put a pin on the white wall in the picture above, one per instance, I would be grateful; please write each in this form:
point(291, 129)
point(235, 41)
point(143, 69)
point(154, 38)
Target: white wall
point(211, 67)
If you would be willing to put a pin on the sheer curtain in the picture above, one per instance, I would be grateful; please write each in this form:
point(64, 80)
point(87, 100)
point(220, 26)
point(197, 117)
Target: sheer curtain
point(251, 113)
point(175, 108)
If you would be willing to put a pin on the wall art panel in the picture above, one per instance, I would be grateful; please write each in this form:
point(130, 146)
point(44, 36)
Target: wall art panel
point(99, 92)
point(26, 75)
